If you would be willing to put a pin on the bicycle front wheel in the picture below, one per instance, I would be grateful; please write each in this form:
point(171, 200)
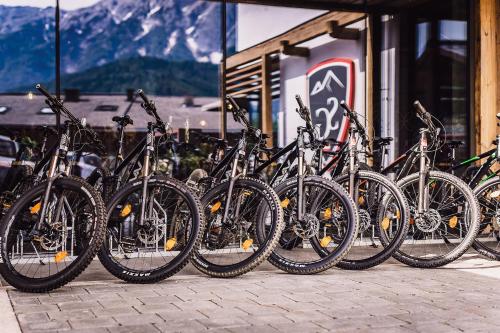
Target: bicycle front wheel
point(246, 237)
point(326, 231)
point(162, 243)
point(69, 237)
point(447, 228)
point(488, 241)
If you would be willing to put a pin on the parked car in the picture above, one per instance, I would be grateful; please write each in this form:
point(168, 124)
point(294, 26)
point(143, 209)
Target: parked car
point(8, 150)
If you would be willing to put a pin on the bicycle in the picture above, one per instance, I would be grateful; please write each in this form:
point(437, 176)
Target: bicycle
point(444, 211)
point(154, 222)
point(244, 217)
point(321, 218)
point(53, 231)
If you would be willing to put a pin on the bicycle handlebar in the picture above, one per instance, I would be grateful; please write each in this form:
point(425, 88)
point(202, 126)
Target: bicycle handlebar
point(304, 113)
point(149, 106)
point(425, 116)
point(57, 106)
point(353, 117)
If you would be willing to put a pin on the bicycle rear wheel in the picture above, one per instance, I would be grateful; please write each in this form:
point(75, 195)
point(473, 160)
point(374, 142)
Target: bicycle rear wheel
point(384, 220)
point(70, 236)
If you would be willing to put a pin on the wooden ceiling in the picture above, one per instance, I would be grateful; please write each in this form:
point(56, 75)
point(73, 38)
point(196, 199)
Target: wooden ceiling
point(338, 5)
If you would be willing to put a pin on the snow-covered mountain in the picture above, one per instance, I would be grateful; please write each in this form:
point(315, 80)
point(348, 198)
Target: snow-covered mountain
point(106, 32)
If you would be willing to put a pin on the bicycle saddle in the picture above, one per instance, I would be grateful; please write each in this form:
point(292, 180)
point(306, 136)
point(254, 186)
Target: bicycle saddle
point(123, 121)
point(455, 143)
point(382, 141)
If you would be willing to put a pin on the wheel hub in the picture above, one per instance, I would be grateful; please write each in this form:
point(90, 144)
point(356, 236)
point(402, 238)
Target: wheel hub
point(364, 220)
point(428, 222)
point(308, 227)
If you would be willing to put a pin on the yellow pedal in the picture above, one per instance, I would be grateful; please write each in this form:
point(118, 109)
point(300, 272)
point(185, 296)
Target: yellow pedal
point(398, 214)
point(126, 210)
point(60, 256)
point(215, 207)
point(495, 194)
point(385, 223)
point(36, 208)
point(170, 243)
point(325, 241)
point(246, 244)
point(285, 203)
point(327, 214)
point(453, 222)
point(361, 201)
point(412, 220)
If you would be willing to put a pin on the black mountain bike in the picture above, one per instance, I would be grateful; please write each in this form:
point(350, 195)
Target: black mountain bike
point(244, 217)
point(321, 218)
point(383, 209)
point(154, 222)
point(53, 231)
point(485, 181)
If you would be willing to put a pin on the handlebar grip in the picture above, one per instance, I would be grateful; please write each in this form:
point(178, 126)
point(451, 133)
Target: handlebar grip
point(43, 91)
point(140, 92)
point(233, 102)
point(299, 101)
point(345, 106)
point(419, 107)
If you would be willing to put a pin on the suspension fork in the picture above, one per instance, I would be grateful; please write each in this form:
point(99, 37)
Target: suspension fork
point(234, 177)
point(51, 175)
point(423, 175)
point(300, 174)
point(353, 164)
point(145, 171)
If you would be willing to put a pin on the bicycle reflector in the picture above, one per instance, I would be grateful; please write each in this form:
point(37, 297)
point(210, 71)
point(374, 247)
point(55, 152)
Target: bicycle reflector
point(453, 222)
point(170, 243)
point(385, 223)
point(325, 241)
point(60, 256)
point(36, 208)
point(215, 207)
point(126, 210)
point(285, 203)
point(326, 214)
point(246, 244)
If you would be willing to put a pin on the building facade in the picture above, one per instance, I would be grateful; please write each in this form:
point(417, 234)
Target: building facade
point(378, 56)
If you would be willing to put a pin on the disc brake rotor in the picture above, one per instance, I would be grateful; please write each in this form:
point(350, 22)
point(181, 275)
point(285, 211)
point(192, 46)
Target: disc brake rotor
point(364, 220)
point(429, 222)
point(309, 227)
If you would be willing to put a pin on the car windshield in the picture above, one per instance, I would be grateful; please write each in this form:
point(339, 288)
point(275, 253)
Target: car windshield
point(7, 148)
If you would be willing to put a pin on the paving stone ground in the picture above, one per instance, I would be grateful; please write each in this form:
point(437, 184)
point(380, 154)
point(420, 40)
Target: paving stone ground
point(463, 297)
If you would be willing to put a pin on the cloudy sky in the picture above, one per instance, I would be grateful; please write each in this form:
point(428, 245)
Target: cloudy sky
point(65, 4)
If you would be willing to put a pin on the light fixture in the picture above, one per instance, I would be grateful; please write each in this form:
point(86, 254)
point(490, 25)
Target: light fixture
point(203, 123)
point(30, 95)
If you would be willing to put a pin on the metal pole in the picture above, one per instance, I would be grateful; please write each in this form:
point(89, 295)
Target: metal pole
point(223, 36)
point(58, 53)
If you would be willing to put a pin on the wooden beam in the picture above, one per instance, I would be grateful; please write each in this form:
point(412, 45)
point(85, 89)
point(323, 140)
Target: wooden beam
point(244, 83)
point(336, 31)
point(287, 49)
point(369, 81)
point(245, 91)
point(304, 32)
point(234, 72)
point(267, 100)
point(243, 76)
point(486, 128)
